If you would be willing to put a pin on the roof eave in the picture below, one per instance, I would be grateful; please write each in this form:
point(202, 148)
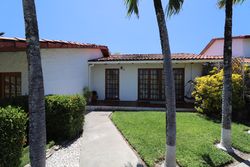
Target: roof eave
point(153, 61)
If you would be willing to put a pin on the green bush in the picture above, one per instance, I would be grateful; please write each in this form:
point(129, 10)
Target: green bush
point(64, 116)
point(87, 94)
point(208, 94)
point(20, 101)
point(12, 135)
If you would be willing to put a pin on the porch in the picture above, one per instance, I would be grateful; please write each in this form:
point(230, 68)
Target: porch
point(108, 105)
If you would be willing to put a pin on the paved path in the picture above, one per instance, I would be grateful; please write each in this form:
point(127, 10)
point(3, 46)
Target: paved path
point(103, 145)
point(244, 164)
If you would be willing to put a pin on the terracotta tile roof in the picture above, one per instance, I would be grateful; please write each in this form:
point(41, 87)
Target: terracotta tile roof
point(143, 57)
point(19, 44)
point(221, 38)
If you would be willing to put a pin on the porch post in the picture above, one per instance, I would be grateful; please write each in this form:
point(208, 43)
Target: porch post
point(89, 76)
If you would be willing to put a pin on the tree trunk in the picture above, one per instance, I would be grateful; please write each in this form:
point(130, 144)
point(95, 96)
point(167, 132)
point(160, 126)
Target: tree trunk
point(227, 82)
point(169, 87)
point(37, 128)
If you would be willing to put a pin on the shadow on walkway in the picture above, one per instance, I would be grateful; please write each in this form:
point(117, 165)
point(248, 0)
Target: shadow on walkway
point(130, 165)
point(239, 159)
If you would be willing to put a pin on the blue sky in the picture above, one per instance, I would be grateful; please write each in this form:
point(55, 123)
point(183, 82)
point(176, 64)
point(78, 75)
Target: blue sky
point(105, 22)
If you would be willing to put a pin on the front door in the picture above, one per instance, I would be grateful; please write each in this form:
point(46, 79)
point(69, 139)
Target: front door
point(112, 84)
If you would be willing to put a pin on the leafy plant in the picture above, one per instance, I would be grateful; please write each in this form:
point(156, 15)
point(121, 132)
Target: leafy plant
point(208, 93)
point(12, 135)
point(64, 116)
point(87, 93)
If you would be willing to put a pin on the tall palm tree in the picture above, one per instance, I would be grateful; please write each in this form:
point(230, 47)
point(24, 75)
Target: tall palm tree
point(37, 129)
point(226, 141)
point(174, 7)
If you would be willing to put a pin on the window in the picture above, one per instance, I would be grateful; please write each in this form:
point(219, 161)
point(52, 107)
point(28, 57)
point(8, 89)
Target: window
point(112, 84)
point(151, 84)
point(179, 83)
point(10, 85)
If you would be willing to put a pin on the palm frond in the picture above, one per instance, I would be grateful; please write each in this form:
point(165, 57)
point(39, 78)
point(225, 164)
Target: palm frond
point(132, 7)
point(221, 3)
point(174, 7)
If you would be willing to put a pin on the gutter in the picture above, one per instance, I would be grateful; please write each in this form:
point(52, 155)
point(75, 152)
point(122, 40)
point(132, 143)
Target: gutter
point(154, 61)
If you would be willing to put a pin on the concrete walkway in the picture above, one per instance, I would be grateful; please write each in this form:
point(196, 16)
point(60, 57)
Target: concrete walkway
point(244, 164)
point(103, 145)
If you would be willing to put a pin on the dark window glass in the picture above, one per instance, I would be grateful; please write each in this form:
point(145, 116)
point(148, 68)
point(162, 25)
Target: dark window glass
point(151, 84)
point(10, 85)
point(112, 84)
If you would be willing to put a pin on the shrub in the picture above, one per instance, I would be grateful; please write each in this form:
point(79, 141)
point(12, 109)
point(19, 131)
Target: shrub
point(64, 116)
point(208, 93)
point(87, 94)
point(12, 135)
point(20, 101)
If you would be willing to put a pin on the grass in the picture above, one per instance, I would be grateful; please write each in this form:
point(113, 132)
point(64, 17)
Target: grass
point(25, 155)
point(196, 137)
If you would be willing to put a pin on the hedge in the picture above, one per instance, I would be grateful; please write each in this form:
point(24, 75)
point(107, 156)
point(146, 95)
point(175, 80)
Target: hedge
point(208, 94)
point(12, 135)
point(64, 116)
point(20, 101)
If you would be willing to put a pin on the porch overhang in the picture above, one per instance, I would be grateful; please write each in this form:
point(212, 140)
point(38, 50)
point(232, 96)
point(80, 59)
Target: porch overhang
point(153, 62)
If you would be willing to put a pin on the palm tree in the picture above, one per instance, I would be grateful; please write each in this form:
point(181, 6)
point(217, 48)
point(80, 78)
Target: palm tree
point(174, 7)
point(226, 141)
point(37, 130)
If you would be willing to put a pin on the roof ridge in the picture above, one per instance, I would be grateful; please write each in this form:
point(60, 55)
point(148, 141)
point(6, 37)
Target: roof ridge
point(49, 40)
point(19, 44)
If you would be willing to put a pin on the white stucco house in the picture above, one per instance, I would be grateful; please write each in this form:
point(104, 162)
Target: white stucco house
point(68, 67)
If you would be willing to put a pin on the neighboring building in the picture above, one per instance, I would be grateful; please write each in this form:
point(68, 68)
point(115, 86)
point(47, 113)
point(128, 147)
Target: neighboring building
point(241, 46)
point(68, 67)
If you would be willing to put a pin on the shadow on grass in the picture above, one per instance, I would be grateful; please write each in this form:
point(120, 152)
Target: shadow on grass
point(208, 160)
point(210, 118)
point(217, 119)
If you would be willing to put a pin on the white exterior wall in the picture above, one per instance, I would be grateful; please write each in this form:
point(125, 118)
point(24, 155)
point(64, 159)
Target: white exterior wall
point(65, 71)
point(241, 48)
point(15, 62)
point(128, 88)
point(246, 48)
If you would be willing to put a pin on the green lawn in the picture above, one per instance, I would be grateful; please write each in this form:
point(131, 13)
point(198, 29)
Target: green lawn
point(196, 136)
point(25, 155)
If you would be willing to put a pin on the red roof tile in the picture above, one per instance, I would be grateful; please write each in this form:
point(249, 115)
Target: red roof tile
point(19, 44)
point(143, 57)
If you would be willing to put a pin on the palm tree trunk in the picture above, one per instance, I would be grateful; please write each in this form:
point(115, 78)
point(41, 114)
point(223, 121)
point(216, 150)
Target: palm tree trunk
point(227, 83)
point(169, 87)
point(37, 128)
